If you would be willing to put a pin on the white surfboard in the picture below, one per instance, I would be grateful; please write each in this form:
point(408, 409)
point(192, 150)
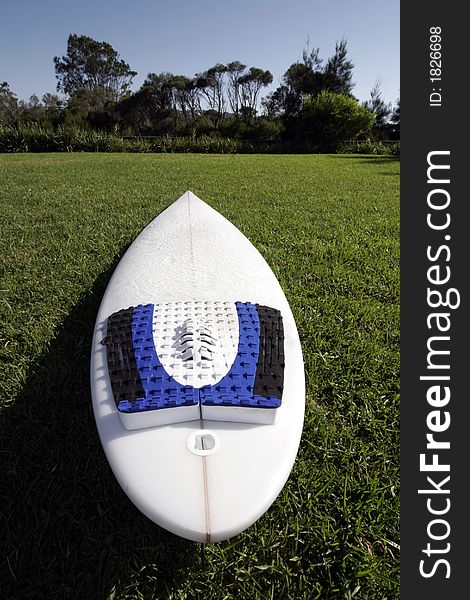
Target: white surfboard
point(197, 375)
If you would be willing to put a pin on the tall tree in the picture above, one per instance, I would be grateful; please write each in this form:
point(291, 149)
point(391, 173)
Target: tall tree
point(250, 87)
point(92, 65)
point(212, 86)
point(311, 58)
point(377, 105)
point(186, 97)
point(396, 113)
point(301, 79)
point(8, 105)
point(395, 121)
point(338, 71)
point(235, 70)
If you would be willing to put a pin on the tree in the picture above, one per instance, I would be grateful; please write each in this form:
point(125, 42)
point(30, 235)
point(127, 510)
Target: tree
point(186, 97)
point(151, 109)
point(53, 108)
point(377, 105)
point(92, 65)
point(276, 103)
point(212, 86)
point(8, 105)
point(311, 58)
point(250, 87)
point(301, 80)
point(331, 118)
point(307, 79)
point(84, 107)
point(47, 112)
point(338, 70)
point(235, 70)
point(31, 111)
point(52, 101)
point(395, 119)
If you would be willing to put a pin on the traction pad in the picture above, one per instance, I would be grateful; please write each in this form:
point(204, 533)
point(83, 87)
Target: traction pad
point(204, 362)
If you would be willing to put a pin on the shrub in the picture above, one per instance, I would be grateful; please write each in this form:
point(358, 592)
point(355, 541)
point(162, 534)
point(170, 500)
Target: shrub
point(330, 118)
point(371, 147)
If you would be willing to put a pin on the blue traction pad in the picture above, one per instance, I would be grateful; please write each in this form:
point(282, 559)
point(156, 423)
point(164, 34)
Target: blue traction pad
point(141, 383)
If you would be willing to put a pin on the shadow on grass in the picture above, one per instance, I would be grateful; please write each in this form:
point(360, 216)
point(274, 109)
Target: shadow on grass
point(370, 159)
point(70, 531)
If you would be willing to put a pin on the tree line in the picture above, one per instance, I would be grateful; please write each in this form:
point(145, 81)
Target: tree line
point(313, 104)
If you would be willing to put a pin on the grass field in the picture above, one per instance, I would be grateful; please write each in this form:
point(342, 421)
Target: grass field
point(329, 228)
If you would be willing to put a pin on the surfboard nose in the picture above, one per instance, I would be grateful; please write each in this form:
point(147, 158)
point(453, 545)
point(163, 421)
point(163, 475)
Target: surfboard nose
point(191, 197)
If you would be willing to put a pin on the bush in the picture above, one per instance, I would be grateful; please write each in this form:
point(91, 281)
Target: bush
point(199, 144)
point(329, 119)
point(371, 147)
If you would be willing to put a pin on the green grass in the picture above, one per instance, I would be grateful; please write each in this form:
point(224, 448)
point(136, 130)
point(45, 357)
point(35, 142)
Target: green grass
point(329, 228)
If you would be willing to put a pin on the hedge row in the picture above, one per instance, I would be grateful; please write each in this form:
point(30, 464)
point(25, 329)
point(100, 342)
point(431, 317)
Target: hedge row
point(34, 138)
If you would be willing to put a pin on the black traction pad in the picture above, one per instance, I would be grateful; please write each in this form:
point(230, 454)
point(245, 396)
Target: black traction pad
point(269, 380)
point(123, 372)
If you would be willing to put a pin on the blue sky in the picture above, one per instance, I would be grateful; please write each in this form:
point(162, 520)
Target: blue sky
point(185, 37)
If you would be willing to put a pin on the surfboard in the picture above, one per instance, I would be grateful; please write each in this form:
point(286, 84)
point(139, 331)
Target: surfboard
point(197, 376)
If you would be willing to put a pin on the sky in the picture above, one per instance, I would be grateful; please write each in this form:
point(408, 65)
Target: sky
point(185, 37)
